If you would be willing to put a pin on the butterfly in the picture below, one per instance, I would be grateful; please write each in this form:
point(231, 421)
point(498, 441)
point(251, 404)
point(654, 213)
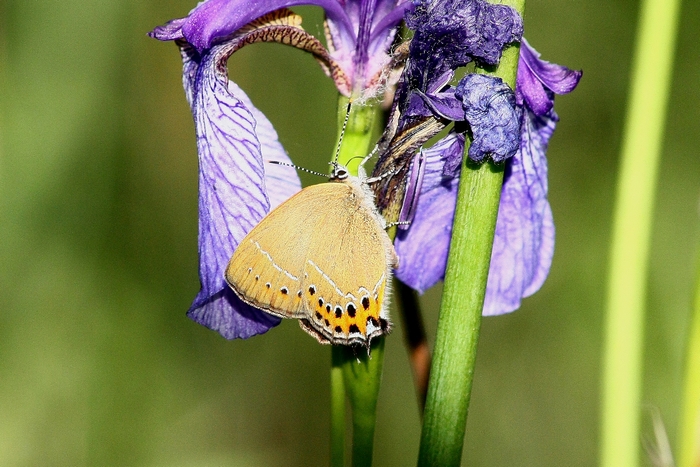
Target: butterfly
point(322, 257)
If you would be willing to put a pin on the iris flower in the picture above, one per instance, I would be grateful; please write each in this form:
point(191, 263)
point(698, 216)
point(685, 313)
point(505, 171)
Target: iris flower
point(507, 127)
point(236, 189)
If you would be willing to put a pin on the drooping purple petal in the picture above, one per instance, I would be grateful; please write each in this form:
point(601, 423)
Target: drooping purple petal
point(538, 80)
point(423, 247)
point(232, 196)
point(489, 106)
point(524, 241)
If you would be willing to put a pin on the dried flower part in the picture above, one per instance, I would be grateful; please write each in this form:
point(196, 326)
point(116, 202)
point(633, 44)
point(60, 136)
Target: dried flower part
point(450, 34)
point(489, 107)
point(524, 238)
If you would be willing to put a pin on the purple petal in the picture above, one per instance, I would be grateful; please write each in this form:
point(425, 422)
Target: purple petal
point(362, 50)
point(413, 187)
point(232, 197)
point(219, 18)
point(170, 31)
point(538, 80)
point(281, 181)
point(453, 157)
point(389, 14)
point(423, 247)
point(451, 33)
point(443, 105)
point(524, 242)
point(215, 19)
point(489, 106)
point(226, 314)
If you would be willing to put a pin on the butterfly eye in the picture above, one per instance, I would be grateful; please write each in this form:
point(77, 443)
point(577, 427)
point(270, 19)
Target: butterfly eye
point(340, 174)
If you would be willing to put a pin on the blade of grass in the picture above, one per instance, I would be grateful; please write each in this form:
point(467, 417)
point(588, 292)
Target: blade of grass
point(636, 189)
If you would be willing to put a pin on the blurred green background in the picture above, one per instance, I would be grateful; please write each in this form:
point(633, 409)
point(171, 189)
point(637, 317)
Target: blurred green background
point(98, 255)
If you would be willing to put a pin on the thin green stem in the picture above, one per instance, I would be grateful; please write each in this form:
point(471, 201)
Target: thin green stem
point(689, 432)
point(337, 408)
point(357, 138)
point(468, 263)
point(360, 373)
point(646, 116)
point(460, 317)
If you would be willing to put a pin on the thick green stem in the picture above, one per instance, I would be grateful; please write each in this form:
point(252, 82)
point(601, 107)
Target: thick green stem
point(360, 373)
point(622, 366)
point(452, 371)
point(460, 317)
point(689, 432)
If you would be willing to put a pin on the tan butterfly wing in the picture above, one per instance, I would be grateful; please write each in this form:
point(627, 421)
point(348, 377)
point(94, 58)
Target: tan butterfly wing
point(323, 257)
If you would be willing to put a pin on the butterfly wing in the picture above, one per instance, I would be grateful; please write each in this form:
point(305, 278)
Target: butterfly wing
point(323, 257)
point(350, 279)
point(266, 270)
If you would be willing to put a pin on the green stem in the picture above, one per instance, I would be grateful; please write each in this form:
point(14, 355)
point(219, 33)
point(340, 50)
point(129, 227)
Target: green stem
point(337, 408)
point(468, 262)
point(460, 317)
point(357, 139)
point(689, 433)
point(360, 373)
point(622, 365)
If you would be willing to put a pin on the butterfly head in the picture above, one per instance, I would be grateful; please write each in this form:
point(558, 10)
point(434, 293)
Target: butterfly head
point(339, 173)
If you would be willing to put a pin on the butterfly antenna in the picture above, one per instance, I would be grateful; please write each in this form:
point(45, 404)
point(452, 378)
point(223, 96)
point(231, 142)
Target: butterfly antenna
point(370, 155)
point(342, 133)
point(287, 164)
